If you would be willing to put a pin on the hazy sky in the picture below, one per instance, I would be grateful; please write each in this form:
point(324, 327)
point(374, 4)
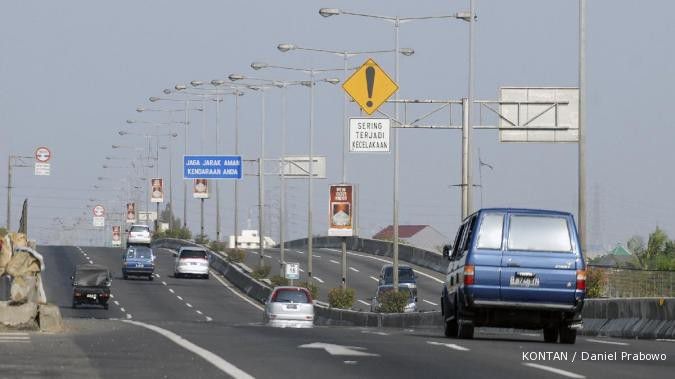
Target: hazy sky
point(73, 71)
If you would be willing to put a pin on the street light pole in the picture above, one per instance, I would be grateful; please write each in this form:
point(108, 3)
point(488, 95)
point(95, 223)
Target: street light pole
point(261, 181)
point(582, 126)
point(310, 236)
point(396, 161)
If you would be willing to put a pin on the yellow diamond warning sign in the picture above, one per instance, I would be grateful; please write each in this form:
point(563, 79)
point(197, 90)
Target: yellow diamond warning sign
point(370, 86)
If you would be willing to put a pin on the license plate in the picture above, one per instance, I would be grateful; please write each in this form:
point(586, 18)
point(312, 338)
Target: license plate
point(291, 306)
point(140, 265)
point(519, 281)
point(91, 296)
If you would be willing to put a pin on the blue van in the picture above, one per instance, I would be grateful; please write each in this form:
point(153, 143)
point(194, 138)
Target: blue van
point(138, 261)
point(515, 268)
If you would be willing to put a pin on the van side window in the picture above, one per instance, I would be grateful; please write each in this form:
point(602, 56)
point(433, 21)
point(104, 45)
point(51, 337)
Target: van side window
point(490, 234)
point(468, 234)
point(458, 239)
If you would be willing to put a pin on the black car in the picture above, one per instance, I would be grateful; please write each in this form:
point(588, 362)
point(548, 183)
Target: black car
point(91, 285)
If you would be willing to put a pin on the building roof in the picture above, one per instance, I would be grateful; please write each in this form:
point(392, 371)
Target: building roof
point(621, 251)
point(404, 231)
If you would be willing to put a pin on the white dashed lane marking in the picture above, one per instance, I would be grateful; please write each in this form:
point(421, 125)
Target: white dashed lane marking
point(353, 269)
point(318, 279)
point(334, 261)
point(374, 278)
point(209, 319)
point(429, 302)
point(14, 338)
point(179, 298)
point(199, 312)
point(607, 342)
point(171, 290)
point(189, 305)
point(555, 370)
point(363, 302)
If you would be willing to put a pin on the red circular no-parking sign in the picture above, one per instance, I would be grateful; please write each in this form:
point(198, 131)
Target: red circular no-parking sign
point(42, 154)
point(99, 211)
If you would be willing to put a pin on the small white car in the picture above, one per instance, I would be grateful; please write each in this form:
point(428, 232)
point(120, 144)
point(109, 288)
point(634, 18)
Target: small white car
point(191, 261)
point(139, 235)
point(289, 307)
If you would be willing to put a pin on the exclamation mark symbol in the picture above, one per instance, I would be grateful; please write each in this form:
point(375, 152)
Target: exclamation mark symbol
point(370, 81)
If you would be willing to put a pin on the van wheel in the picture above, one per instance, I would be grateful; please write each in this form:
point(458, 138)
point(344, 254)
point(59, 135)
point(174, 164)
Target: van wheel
point(105, 306)
point(125, 276)
point(567, 335)
point(464, 330)
point(451, 328)
point(151, 278)
point(550, 334)
point(74, 305)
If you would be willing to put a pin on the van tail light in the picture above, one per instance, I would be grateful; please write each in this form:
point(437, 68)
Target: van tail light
point(581, 280)
point(469, 277)
point(78, 294)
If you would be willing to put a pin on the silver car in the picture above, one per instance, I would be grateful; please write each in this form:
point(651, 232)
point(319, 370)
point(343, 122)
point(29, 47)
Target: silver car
point(191, 261)
point(289, 307)
point(139, 235)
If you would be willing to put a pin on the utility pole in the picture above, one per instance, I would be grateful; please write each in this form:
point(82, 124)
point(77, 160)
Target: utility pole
point(582, 127)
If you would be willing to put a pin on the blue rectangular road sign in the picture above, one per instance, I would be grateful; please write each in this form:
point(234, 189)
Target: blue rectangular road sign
point(212, 167)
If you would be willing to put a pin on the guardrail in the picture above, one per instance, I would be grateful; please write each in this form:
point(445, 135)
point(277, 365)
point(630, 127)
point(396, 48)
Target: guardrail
point(645, 318)
point(423, 258)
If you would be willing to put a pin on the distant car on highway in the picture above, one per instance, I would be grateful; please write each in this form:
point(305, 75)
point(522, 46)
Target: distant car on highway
point(91, 285)
point(139, 234)
point(138, 261)
point(411, 305)
point(515, 268)
point(289, 307)
point(191, 261)
point(406, 275)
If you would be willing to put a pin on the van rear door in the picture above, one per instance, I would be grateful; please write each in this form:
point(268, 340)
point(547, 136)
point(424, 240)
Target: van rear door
point(539, 261)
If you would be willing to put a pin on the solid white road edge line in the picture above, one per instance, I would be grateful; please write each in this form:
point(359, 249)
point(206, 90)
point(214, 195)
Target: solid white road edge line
point(555, 370)
point(215, 275)
point(607, 342)
point(208, 356)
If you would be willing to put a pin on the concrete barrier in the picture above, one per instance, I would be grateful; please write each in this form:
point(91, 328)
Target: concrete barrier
point(49, 318)
point(423, 258)
point(644, 318)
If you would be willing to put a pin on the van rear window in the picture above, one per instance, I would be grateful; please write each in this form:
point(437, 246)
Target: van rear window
point(539, 233)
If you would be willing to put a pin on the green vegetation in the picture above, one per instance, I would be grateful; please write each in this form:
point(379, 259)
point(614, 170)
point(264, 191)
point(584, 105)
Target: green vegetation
point(596, 281)
point(313, 289)
point(341, 298)
point(261, 272)
point(659, 254)
point(217, 246)
point(180, 233)
point(3, 232)
point(393, 302)
point(202, 239)
point(278, 280)
point(235, 255)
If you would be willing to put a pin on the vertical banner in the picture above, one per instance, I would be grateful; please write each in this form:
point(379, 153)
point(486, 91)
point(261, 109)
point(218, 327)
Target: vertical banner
point(341, 209)
point(200, 189)
point(116, 235)
point(131, 213)
point(156, 190)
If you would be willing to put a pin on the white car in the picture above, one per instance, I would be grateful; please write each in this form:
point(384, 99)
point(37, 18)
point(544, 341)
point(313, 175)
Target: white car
point(191, 261)
point(289, 307)
point(139, 235)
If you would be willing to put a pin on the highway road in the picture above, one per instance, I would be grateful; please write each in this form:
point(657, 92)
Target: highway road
point(176, 328)
point(362, 275)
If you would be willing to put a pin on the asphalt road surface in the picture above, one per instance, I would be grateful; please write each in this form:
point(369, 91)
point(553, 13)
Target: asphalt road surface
point(177, 328)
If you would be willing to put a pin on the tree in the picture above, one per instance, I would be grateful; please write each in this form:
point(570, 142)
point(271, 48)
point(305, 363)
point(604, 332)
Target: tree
point(637, 245)
point(657, 243)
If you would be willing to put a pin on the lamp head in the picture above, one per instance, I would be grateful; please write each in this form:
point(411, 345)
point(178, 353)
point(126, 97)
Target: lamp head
point(258, 65)
point(284, 47)
point(327, 12)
